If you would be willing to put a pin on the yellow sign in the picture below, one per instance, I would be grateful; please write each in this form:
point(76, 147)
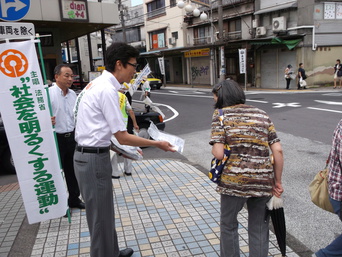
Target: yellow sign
point(101, 68)
point(197, 53)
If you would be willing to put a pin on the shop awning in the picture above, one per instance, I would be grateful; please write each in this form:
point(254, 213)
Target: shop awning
point(277, 8)
point(290, 43)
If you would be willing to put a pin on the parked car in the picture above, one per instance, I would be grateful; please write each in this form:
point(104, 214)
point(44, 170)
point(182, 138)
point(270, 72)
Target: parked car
point(6, 161)
point(154, 82)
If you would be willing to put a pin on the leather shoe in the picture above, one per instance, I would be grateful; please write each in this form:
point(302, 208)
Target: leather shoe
point(126, 252)
point(116, 177)
point(79, 205)
point(128, 173)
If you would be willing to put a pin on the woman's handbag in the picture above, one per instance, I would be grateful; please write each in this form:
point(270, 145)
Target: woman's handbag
point(319, 190)
point(217, 166)
point(339, 73)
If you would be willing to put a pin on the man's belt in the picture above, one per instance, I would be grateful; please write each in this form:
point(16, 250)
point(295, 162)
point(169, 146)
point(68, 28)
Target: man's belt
point(68, 134)
point(84, 149)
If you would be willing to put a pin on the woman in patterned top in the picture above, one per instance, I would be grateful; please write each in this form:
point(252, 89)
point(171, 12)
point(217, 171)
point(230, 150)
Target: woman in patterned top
point(249, 176)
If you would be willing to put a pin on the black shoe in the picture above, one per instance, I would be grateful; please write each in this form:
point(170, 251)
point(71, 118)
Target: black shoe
point(126, 253)
point(128, 174)
point(79, 205)
point(116, 177)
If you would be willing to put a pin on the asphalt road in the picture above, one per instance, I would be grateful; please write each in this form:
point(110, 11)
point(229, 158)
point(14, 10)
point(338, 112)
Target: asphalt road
point(305, 121)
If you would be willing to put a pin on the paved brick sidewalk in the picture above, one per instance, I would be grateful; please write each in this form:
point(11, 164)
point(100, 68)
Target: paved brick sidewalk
point(169, 208)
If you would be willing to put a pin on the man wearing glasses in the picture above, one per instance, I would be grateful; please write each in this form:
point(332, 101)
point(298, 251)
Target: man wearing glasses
point(98, 117)
point(62, 102)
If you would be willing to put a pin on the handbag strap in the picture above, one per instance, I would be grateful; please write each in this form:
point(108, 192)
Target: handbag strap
point(221, 117)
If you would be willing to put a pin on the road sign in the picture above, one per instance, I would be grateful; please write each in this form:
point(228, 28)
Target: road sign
point(14, 10)
point(16, 30)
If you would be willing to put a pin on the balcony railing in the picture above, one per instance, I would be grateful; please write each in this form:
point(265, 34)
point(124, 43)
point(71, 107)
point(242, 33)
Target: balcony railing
point(203, 40)
point(156, 13)
point(232, 35)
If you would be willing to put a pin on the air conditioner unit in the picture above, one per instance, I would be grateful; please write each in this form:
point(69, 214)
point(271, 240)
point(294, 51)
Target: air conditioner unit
point(172, 40)
point(279, 24)
point(260, 31)
point(255, 23)
point(209, 40)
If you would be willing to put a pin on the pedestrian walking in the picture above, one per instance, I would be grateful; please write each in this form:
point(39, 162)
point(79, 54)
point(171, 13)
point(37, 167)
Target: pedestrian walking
point(288, 73)
point(126, 111)
point(248, 176)
point(98, 117)
point(338, 73)
point(62, 102)
point(335, 191)
point(146, 92)
point(301, 77)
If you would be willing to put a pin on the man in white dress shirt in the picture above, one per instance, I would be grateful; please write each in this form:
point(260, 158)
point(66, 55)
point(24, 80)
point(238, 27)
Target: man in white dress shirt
point(62, 102)
point(98, 117)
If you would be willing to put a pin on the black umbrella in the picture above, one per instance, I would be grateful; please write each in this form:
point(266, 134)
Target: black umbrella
point(276, 211)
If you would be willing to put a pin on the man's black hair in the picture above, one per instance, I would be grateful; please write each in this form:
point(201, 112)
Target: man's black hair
point(59, 67)
point(228, 93)
point(119, 51)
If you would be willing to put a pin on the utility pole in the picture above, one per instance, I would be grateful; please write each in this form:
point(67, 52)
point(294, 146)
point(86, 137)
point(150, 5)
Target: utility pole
point(220, 25)
point(121, 9)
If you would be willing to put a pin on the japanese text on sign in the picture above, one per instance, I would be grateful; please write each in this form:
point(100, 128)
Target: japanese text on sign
point(29, 126)
point(197, 53)
point(74, 10)
point(14, 30)
point(242, 59)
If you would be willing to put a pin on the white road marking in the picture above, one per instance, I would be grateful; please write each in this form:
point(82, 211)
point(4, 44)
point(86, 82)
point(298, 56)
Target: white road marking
point(181, 94)
point(328, 102)
point(280, 105)
point(175, 113)
point(325, 110)
point(257, 101)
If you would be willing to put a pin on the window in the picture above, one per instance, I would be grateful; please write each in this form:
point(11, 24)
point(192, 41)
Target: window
point(234, 25)
point(202, 35)
point(155, 8)
point(234, 30)
point(175, 34)
point(132, 35)
point(332, 11)
point(173, 3)
point(157, 39)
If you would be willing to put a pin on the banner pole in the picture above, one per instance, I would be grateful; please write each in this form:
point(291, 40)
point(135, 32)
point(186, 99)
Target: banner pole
point(50, 109)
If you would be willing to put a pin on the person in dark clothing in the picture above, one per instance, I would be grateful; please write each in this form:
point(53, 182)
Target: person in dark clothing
point(62, 102)
point(337, 73)
point(301, 75)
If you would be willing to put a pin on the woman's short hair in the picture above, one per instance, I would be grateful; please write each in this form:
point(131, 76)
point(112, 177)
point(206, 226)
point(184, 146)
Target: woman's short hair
point(228, 93)
point(119, 51)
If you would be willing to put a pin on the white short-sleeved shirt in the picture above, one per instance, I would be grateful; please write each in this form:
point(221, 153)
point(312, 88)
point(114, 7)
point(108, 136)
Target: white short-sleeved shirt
point(98, 114)
point(62, 108)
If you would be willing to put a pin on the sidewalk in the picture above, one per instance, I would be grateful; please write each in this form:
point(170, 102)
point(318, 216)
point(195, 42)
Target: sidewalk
point(167, 208)
point(251, 89)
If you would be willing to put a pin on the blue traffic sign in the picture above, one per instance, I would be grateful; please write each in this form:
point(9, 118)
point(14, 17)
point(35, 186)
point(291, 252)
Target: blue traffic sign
point(14, 10)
